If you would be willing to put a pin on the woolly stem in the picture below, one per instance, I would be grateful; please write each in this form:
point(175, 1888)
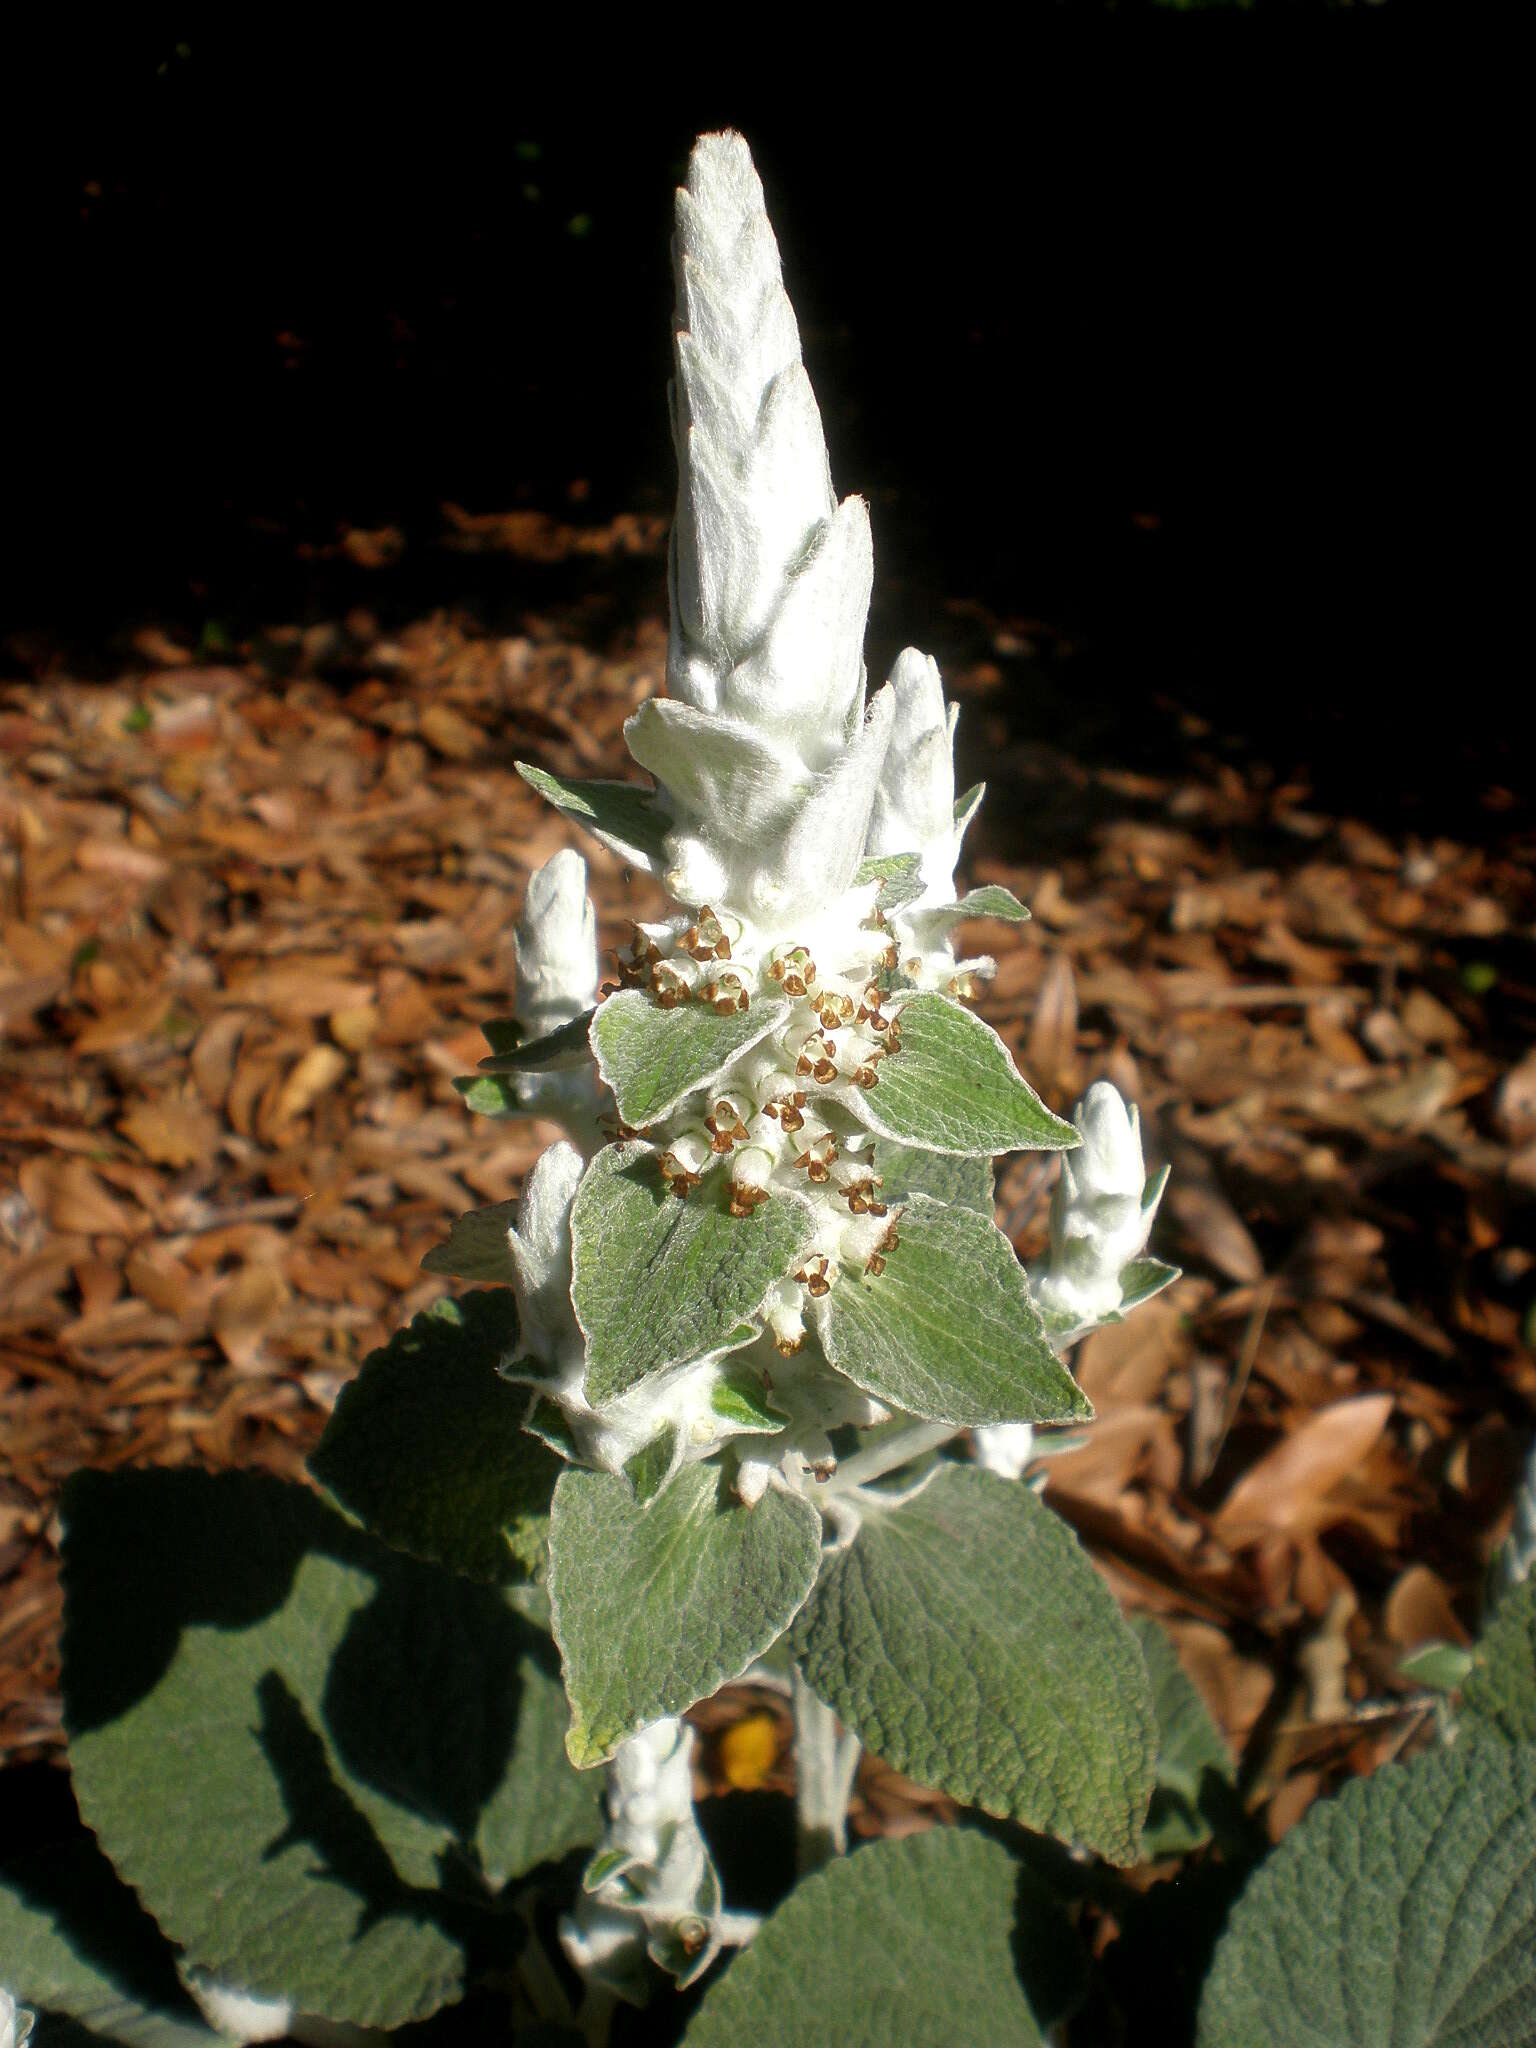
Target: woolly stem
point(825, 1763)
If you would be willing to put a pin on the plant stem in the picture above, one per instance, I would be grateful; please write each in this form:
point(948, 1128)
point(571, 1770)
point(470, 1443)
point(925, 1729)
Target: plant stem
point(825, 1763)
point(894, 1451)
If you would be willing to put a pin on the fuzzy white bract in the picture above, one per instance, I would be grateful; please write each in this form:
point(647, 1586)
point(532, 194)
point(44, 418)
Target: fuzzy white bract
point(650, 1888)
point(557, 974)
point(1100, 1214)
point(15, 2022)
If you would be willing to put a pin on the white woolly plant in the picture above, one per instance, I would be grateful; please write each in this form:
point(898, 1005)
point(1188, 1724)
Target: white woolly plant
point(761, 1272)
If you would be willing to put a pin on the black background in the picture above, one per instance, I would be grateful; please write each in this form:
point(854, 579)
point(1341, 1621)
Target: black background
point(1162, 327)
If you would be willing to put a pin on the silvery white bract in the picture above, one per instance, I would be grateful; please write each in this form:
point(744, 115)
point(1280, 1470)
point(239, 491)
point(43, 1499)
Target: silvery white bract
point(237, 2015)
point(557, 974)
point(650, 1888)
point(1101, 1213)
point(15, 2022)
point(914, 808)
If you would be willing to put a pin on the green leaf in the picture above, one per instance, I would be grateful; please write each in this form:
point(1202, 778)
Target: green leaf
point(967, 1639)
point(624, 816)
point(476, 1247)
point(76, 1945)
point(561, 1050)
point(653, 1465)
point(656, 1281)
point(489, 1095)
point(657, 1608)
point(947, 1176)
point(739, 1398)
point(315, 1760)
point(992, 901)
point(1193, 1760)
point(968, 805)
point(1500, 1696)
point(920, 1942)
point(1442, 1667)
point(503, 1034)
point(651, 1058)
point(900, 876)
point(1143, 1278)
point(1401, 1914)
point(948, 1330)
point(426, 1447)
point(953, 1087)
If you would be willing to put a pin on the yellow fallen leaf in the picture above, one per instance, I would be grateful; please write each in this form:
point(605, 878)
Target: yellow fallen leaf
point(748, 1750)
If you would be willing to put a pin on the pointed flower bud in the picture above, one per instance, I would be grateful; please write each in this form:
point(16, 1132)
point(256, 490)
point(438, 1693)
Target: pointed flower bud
point(1098, 1223)
point(914, 808)
point(556, 945)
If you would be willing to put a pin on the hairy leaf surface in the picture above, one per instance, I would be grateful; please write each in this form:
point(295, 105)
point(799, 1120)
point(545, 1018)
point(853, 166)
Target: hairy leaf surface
point(426, 1446)
point(920, 1942)
point(627, 818)
point(969, 1641)
point(953, 1087)
point(1400, 1914)
point(651, 1058)
point(657, 1607)
point(948, 1330)
point(656, 1281)
point(1500, 1695)
point(284, 1734)
point(1192, 1754)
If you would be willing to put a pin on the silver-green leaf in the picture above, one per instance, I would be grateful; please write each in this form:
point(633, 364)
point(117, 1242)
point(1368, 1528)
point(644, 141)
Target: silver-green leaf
point(657, 1281)
point(947, 1329)
point(920, 1942)
point(953, 1087)
point(283, 1733)
point(1499, 1697)
point(1193, 1760)
point(651, 1058)
point(476, 1246)
point(1401, 1914)
point(625, 817)
point(947, 1176)
point(900, 876)
point(991, 901)
point(75, 1944)
point(655, 1608)
point(559, 1051)
point(968, 1640)
point(426, 1446)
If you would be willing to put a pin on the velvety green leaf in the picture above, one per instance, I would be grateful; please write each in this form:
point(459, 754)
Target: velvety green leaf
point(426, 1446)
point(947, 1176)
point(564, 1049)
point(919, 1943)
point(476, 1247)
point(653, 1465)
point(1443, 1667)
point(1401, 1914)
point(489, 1095)
point(315, 1760)
point(75, 1944)
point(953, 1087)
point(1191, 1750)
point(992, 901)
point(624, 816)
point(1143, 1278)
point(656, 1281)
point(656, 1608)
point(968, 1640)
point(968, 805)
point(948, 1330)
point(651, 1058)
point(739, 1399)
point(900, 876)
point(1499, 1697)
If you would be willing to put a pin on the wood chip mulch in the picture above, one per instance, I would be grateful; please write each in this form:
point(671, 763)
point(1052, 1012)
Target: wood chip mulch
point(257, 897)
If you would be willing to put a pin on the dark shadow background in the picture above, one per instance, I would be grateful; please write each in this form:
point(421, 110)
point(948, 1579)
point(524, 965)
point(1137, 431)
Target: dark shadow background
point(1130, 320)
